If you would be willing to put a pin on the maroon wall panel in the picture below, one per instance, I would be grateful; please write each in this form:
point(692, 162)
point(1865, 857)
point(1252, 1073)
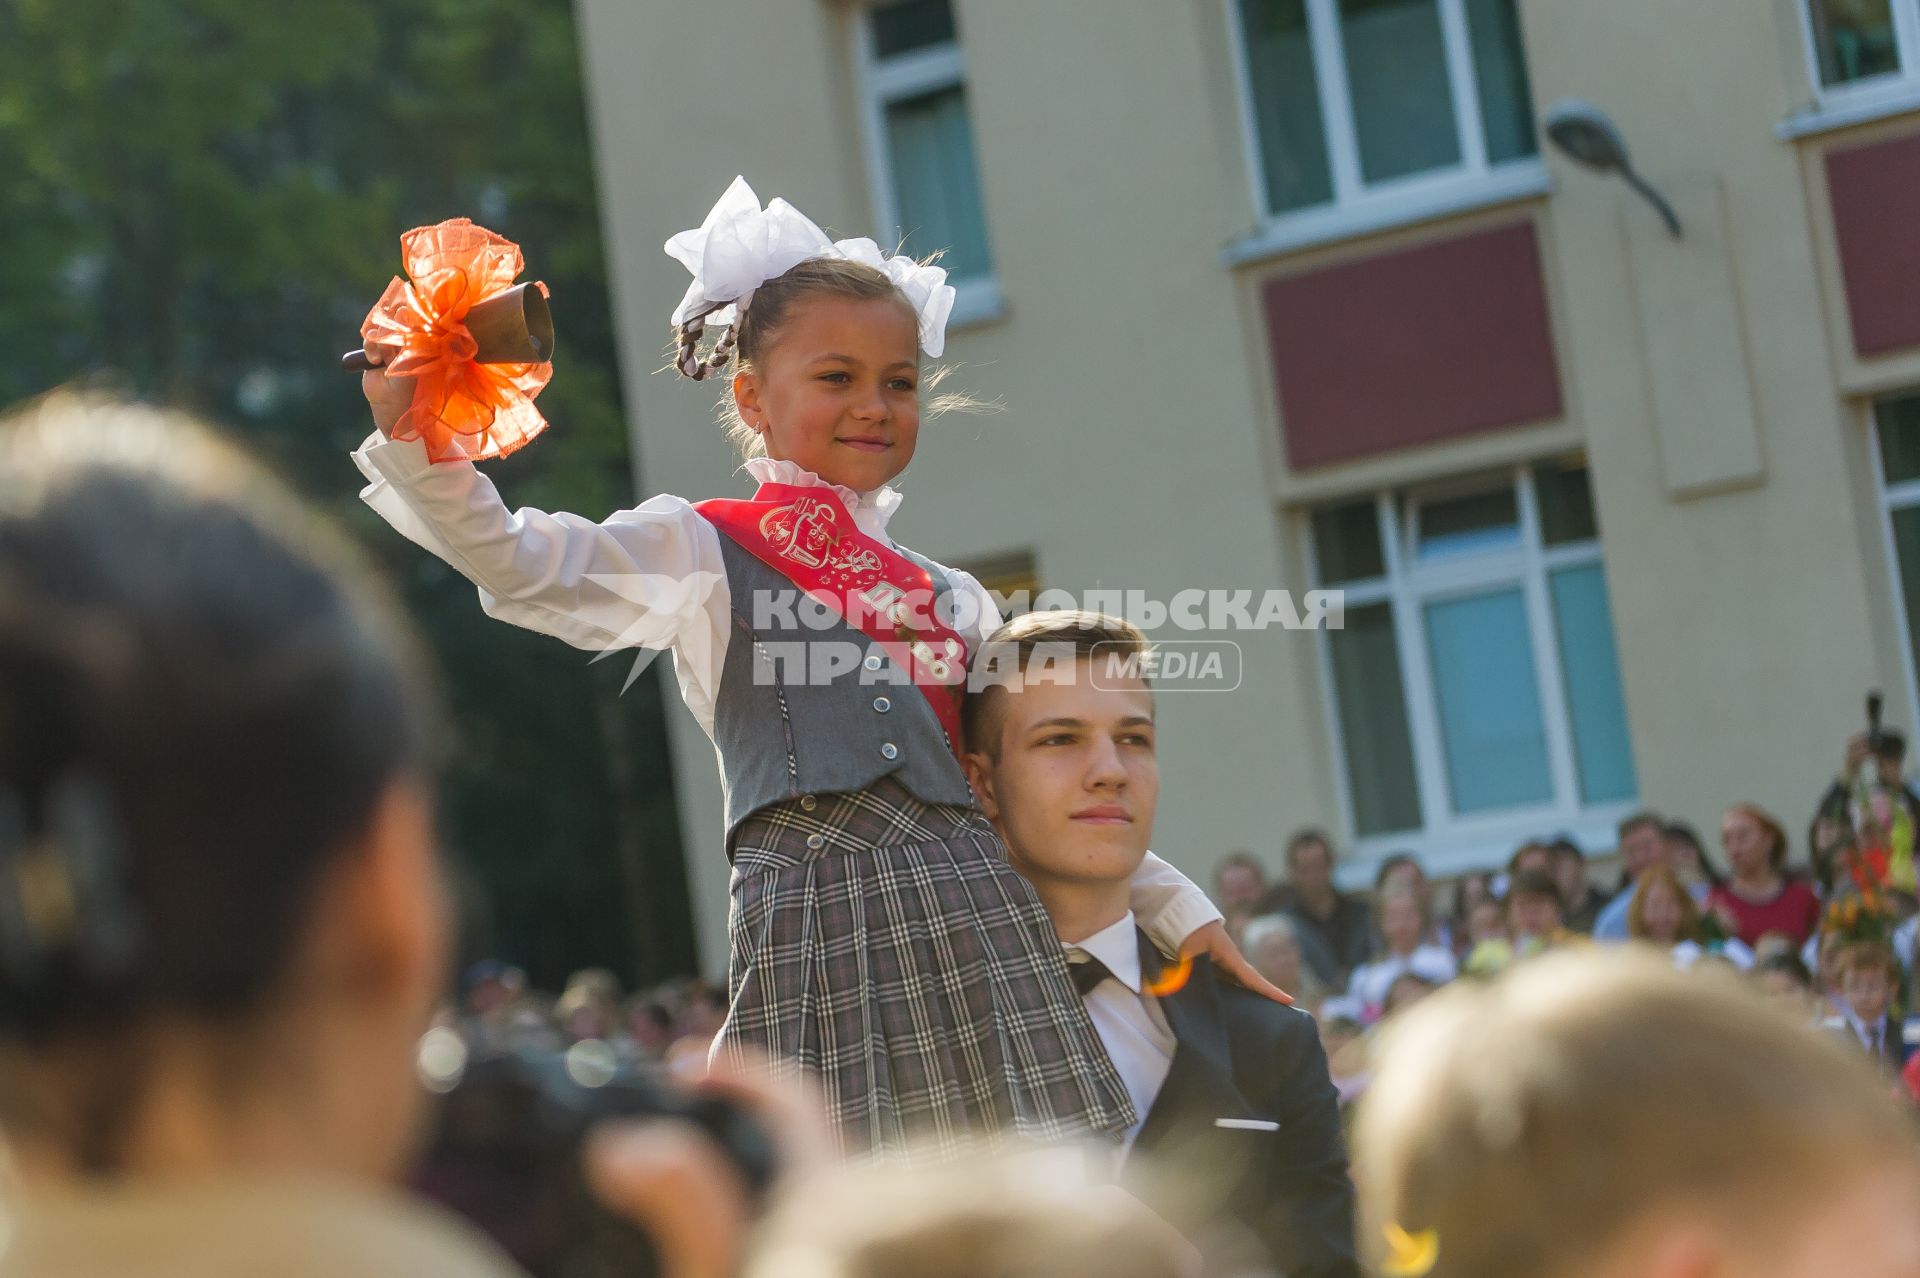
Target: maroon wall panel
point(1413, 346)
point(1876, 219)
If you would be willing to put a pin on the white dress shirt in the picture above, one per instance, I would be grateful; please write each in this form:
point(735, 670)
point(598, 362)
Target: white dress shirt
point(1129, 1021)
point(653, 577)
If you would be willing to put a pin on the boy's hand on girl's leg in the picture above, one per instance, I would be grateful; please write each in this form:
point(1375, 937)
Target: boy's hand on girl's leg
point(1213, 942)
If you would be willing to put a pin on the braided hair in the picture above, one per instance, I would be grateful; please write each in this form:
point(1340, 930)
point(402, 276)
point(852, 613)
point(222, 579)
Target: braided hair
point(687, 358)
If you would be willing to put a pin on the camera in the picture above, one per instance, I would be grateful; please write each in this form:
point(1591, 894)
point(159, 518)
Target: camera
point(505, 1145)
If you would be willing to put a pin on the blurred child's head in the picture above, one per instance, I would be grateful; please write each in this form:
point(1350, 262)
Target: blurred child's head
point(1783, 977)
point(1486, 921)
point(1038, 1214)
point(1596, 1113)
point(1533, 904)
point(1869, 976)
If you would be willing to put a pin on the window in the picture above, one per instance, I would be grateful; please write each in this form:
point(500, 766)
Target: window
point(1862, 46)
point(920, 145)
point(1357, 102)
point(1897, 425)
point(1475, 691)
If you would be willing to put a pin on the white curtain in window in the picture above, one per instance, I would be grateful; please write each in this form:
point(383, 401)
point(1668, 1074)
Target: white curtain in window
point(936, 183)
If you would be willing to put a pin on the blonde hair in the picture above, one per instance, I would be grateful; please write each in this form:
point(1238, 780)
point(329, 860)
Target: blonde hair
point(1528, 1124)
point(1026, 1214)
point(747, 341)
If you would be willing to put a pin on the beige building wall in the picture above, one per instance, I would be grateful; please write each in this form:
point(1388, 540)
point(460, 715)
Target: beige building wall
point(1139, 442)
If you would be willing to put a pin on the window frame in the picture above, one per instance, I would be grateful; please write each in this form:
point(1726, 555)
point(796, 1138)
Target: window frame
point(1899, 84)
point(1451, 842)
point(884, 81)
point(1357, 207)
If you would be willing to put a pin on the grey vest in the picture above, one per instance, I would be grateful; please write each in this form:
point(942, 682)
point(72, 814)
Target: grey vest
point(792, 720)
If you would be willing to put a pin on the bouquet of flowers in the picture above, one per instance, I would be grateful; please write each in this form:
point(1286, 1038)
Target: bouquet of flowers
point(1859, 916)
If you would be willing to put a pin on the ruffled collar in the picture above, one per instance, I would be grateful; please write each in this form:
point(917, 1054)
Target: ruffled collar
point(877, 505)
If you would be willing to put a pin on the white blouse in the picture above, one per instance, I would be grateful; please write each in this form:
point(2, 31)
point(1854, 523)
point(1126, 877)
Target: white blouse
point(653, 577)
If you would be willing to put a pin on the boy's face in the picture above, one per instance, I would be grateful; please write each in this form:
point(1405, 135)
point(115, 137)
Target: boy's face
point(1868, 992)
point(1073, 784)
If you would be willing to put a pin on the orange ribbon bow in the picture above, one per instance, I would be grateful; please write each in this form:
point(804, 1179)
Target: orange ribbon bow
point(461, 408)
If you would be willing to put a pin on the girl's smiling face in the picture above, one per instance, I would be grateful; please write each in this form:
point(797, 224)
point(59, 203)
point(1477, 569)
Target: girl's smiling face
point(838, 389)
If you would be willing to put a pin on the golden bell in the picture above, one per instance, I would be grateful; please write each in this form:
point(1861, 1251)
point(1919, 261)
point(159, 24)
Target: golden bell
point(514, 327)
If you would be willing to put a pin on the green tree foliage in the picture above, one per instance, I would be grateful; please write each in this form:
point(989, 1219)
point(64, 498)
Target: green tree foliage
point(201, 200)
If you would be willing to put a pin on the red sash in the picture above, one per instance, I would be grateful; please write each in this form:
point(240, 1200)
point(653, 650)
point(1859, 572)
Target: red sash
point(807, 536)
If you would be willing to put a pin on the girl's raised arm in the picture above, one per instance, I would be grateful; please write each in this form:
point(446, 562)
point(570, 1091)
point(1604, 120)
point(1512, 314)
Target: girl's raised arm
point(649, 577)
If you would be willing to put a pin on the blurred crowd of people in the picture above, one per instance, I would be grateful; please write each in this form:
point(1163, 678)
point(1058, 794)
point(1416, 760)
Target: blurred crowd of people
point(1830, 932)
point(670, 1025)
point(214, 979)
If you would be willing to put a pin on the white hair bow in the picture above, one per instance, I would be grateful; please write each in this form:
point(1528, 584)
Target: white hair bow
point(741, 246)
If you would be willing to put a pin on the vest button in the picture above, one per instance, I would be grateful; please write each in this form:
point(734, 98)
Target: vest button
point(873, 661)
point(882, 705)
point(889, 751)
point(816, 841)
point(808, 803)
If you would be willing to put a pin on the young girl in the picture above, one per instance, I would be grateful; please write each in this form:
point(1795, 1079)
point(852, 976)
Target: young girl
point(879, 940)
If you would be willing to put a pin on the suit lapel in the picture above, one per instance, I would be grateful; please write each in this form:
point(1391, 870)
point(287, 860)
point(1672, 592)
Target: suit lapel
point(1199, 1087)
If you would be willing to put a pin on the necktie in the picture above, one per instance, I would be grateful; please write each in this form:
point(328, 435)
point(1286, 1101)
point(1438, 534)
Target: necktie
point(1086, 971)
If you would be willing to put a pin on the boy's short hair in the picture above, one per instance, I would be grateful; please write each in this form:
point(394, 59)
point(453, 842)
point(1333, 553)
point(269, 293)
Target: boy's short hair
point(1531, 1122)
point(1010, 650)
point(1867, 956)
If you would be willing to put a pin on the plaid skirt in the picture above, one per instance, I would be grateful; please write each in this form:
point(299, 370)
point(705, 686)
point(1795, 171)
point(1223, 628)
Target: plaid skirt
point(883, 946)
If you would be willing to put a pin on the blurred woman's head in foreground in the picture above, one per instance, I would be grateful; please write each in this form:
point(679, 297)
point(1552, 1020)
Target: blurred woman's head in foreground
point(221, 915)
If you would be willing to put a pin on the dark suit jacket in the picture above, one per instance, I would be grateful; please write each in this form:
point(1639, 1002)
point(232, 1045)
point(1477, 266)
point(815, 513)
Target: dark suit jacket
point(1279, 1196)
